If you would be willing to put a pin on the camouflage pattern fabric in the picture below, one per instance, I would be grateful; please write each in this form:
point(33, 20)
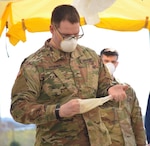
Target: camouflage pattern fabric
point(50, 76)
point(124, 121)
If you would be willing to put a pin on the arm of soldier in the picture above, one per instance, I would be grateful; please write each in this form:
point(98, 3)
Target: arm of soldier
point(136, 118)
point(108, 86)
point(25, 91)
point(105, 80)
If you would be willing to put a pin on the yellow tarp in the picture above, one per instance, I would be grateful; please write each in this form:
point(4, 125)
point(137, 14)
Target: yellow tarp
point(126, 15)
point(34, 16)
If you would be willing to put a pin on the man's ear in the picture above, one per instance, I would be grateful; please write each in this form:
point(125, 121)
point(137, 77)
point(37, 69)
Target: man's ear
point(116, 64)
point(51, 28)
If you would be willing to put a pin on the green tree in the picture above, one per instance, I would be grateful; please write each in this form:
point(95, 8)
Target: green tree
point(14, 143)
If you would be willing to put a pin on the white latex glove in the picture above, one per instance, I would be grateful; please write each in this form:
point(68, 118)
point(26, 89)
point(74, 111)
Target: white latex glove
point(89, 104)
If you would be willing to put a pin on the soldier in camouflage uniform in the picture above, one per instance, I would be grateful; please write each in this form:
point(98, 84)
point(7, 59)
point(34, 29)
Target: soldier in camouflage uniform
point(123, 119)
point(51, 80)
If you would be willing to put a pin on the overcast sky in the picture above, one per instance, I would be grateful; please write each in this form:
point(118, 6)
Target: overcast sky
point(133, 68)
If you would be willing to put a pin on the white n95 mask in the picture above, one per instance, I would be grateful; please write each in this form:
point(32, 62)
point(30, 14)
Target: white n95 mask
point(68, 45)
point(111, 67)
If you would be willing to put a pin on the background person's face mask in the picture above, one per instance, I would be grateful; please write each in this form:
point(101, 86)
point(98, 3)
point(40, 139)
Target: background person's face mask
point(68, 45)
point(111, 67)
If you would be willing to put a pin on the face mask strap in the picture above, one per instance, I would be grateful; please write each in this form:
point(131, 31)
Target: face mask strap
point(58, 32)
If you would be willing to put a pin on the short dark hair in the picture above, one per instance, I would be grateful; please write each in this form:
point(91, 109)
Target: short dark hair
point(109, 52)
point(64, 12)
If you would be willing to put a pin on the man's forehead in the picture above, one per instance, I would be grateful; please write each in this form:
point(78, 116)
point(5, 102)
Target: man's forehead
point(114, 58)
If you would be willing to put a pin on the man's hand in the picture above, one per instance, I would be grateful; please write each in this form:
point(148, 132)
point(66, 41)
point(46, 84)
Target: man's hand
point(70, 108)
point(118, 92)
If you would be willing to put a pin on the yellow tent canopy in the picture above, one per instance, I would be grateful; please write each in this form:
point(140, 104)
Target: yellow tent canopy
point(34, 16)
point(126, 15)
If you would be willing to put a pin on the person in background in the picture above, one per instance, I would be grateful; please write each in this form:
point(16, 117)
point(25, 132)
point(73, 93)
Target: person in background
point(147, 121)
point(123, 119)
point(51, 80)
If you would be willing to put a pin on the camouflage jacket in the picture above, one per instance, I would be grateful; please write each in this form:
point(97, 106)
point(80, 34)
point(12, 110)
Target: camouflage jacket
point(124, 121)
point(48, 77)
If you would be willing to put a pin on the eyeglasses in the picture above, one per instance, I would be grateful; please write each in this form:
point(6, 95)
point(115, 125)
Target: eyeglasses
point(69, 37)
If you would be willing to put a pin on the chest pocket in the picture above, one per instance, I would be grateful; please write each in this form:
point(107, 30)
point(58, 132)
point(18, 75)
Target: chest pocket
point(57, 85)
point(78, 78)
point(85, 73)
